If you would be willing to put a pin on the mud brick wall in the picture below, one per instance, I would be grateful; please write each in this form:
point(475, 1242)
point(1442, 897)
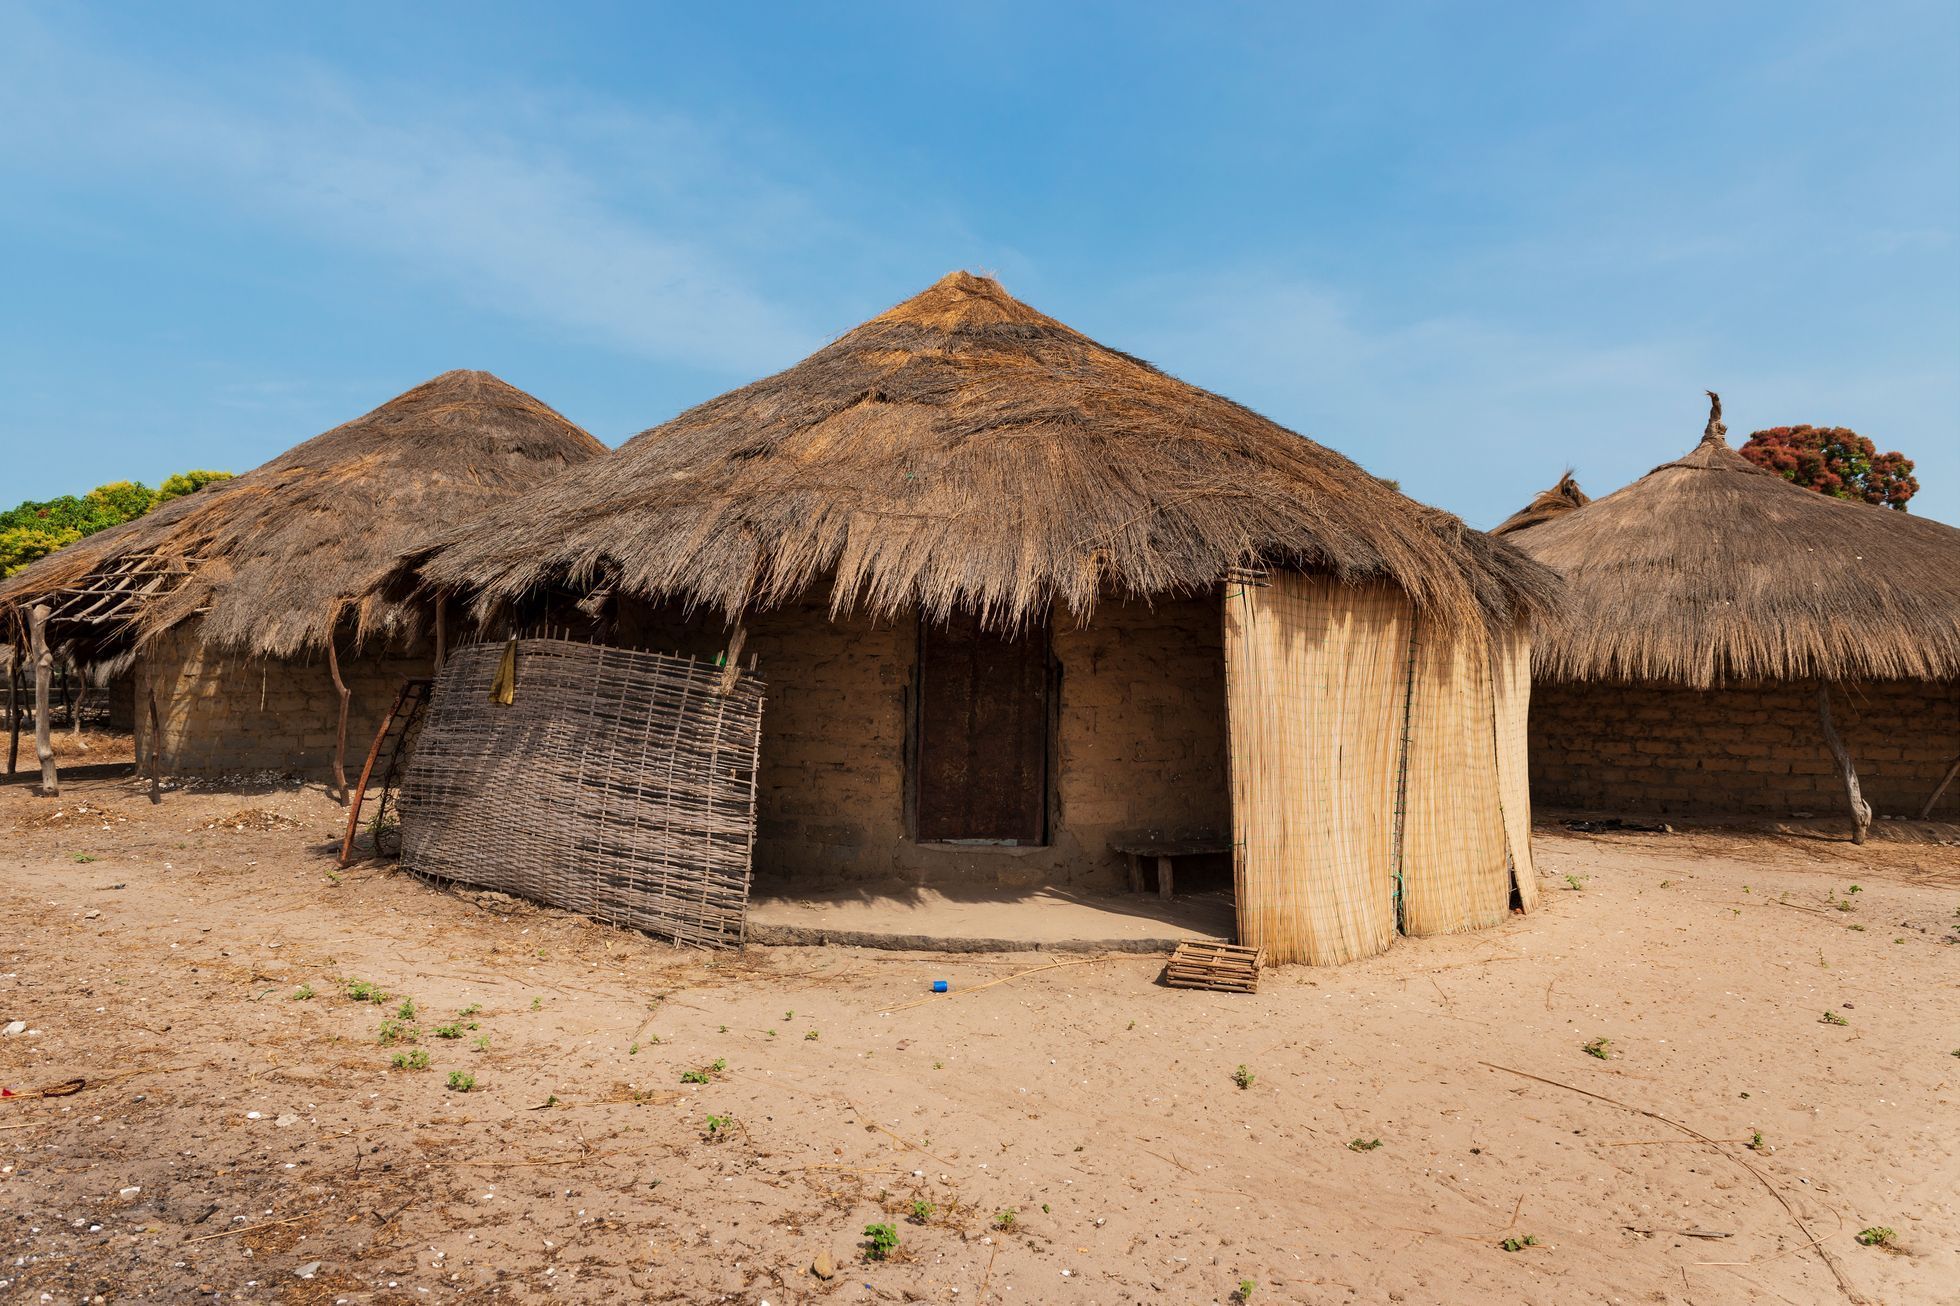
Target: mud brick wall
point(223, 714)
point(1139, 742)
point(1753, 749)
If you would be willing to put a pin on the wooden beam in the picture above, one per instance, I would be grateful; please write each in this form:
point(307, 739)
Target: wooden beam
point(13, 712)
point(442, 643)
point(43, 678)
point(1861, 811)
point(340, 741)
point(1926, 812)
point(156, 750)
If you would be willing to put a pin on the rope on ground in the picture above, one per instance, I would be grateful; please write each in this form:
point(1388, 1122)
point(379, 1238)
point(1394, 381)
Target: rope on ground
point(1837, 1271)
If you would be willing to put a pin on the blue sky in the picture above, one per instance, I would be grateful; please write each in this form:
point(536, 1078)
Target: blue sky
point(1467, 245)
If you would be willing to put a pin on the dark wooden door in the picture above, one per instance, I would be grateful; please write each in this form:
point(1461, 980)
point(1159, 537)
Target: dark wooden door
point(982, 733)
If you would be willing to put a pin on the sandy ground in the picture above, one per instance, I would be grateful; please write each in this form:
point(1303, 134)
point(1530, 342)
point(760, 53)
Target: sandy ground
point(1074, 1134)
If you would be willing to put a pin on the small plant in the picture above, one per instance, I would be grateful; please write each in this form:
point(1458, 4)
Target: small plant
point(394, 1031)
point(481, 1042)
point(461, 1081)
point(470, 1010)
point(1854, 889)
point(1666, 884)
point(1599, 1047)
point(1576, 883)
point(1519, 1244)
point(362, 991)
point(333, 878)
point(304, 993)
point(1364, 1144)
point(718, 1127)
point(941, 1065)
point(406, 1011)
point(1877, 1236)
point(880, 1241)
point(1832, 1018)
point(413, 1059)
point(83, 857)
point(1243, 1293)
point(718, 1065)
point(1007, 1219)
point(537, 1004)
point(812, 1036)
point(551, 1099)
point(632, 1049)
point(1244, 1078)
point(789, 1016)
point(922, 1210)
point(1756, 1141)
point(694, 1076)
point(1859, 928)
point(449, 1031)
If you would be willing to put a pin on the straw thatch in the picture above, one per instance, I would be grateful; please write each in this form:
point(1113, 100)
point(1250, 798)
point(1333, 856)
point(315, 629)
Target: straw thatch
point(1711, 569)
point(1547, 506)
point(963, 450)
point(268, 558)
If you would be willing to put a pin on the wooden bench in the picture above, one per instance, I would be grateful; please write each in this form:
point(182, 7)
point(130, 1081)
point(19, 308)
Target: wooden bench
point(1163, 852)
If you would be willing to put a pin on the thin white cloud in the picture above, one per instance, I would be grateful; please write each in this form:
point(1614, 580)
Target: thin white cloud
point(502, 218)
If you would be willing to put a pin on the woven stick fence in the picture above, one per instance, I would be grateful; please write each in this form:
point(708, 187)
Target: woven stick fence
point(614, 782)
point(1373, 769)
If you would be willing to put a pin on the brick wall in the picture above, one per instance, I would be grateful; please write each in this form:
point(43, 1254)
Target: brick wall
point(224, 713)
point(1139, 741)
point(1748, 749)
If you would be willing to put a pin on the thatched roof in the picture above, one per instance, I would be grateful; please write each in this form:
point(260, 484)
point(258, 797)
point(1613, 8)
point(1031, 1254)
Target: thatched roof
point(1555, 502)
point(1710, 569)
point(269, 558)
point(963, 450)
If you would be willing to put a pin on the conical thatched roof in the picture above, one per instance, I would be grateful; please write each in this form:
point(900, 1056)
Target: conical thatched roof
point(964, 450)
point(1562, 498)
point(1710, 569)
point(268, 558)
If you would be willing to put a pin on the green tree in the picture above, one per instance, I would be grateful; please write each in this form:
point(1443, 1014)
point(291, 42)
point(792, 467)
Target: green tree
point(183, 483)
point(34, 529)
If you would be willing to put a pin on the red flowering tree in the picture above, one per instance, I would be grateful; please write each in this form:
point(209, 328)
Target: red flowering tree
point(1834, 460)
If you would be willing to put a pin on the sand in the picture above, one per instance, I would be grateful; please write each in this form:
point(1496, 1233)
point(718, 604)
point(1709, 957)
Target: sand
point(230, 1135)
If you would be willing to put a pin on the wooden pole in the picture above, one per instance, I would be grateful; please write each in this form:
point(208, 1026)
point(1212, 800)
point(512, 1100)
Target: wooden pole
point(75, 712)
point(156, 750)
point(43, 678)
point(442, 643)
point(13, 713)
point(340, 742)
point(1861, 811)
point(1926, 812)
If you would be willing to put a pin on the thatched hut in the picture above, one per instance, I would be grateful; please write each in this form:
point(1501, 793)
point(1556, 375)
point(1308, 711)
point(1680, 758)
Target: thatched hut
point(1733, 643)
point(232, 603)
point(1021, 600)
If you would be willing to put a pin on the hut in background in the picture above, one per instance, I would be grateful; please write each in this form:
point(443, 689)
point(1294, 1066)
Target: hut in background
point(1022, 600)
point(231, 603)
point(1733, 643)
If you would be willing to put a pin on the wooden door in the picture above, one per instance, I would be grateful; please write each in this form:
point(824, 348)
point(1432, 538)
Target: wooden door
point(982, 734)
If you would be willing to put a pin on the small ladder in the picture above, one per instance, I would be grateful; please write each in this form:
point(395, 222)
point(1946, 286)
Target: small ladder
point(409, 701)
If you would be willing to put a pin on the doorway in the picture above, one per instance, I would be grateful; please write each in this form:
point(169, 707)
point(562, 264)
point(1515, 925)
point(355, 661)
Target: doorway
point(982, 732)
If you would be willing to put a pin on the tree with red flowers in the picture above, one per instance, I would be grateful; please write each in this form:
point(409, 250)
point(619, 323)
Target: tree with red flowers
point(1834, 460)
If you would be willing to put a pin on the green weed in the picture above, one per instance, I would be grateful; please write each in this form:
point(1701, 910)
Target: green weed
point(1519, 1244)
point(1364, 1144)
point(1599, 1047)
point(1832, 1018)
point(880, 1241)
point(304, 993)
point(413, 1059)
point(461, 1081)
point(1877, 1236)
point(1244, 1078)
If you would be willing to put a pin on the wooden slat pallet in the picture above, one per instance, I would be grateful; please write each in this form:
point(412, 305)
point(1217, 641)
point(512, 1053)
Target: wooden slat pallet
point(1226, 967)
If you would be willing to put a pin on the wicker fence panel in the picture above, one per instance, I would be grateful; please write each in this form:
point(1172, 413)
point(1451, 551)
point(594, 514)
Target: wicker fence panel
point(1456, 869)
point(1510, 668)
point(1316, 686)
point(616, 783)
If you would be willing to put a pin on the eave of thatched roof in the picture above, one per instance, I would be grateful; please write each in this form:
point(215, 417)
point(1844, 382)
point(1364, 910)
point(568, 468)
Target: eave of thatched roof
point(1549, 504)
point(269, 559)
point(963, 450)
point(1711, 569)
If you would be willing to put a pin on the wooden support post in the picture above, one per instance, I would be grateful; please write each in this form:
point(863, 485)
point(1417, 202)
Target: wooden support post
point(43, 686)
point(442, 642)
point(1861, 811)
point(75, 712)
point(13, 712)
point(340, 741)
point(156, 751)
point(1163, 877)
point(1926, 812)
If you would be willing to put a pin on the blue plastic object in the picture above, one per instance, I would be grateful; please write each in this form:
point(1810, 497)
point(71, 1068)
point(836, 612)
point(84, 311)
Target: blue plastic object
point(939, 986)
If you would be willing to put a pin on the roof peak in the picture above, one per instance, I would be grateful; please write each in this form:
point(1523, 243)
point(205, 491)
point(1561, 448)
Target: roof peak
point(1714, 432)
